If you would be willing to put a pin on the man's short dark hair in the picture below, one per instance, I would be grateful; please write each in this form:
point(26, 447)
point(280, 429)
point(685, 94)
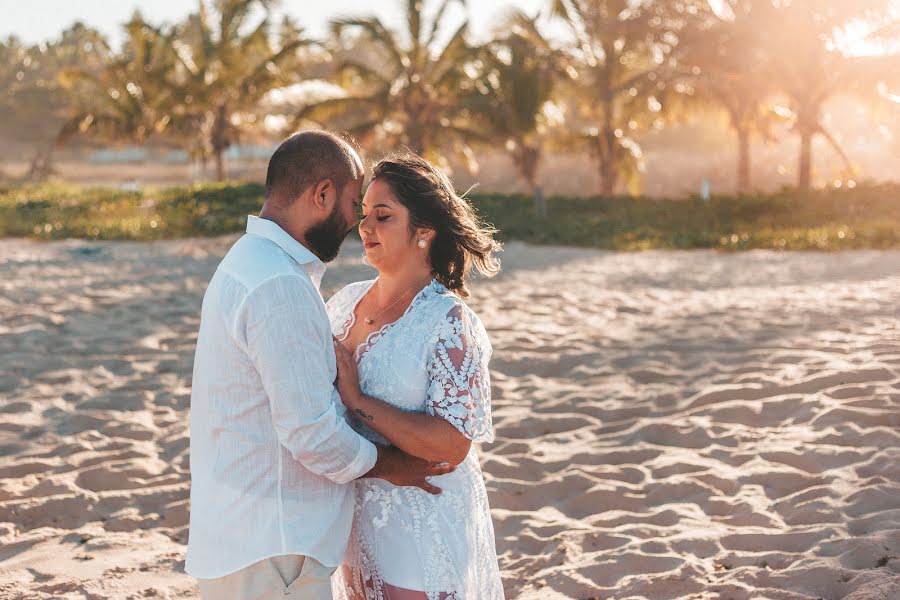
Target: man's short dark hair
point(305, 159)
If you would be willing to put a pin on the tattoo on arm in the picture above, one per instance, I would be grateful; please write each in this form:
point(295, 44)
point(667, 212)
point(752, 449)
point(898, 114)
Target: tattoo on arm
point(362, 414)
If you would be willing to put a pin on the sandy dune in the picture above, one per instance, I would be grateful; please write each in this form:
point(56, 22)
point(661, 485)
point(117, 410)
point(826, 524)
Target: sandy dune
point(685, 425)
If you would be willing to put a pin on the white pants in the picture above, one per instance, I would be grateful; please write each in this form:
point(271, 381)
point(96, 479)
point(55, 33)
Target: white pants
point(284, 577)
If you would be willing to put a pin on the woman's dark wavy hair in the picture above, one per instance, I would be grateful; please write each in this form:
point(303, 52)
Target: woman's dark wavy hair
point(461, 240)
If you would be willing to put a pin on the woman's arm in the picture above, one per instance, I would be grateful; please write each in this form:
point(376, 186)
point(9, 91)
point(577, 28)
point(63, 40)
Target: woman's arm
point(418, 434)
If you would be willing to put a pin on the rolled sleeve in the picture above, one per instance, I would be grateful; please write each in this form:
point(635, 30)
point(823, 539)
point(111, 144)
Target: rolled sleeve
point(362, 464)
point(289, 342)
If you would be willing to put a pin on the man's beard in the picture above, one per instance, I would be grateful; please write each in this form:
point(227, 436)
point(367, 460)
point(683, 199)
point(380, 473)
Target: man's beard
point(324, 239)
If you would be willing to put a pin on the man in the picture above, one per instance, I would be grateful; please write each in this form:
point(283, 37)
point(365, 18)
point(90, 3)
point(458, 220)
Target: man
point(271, 453)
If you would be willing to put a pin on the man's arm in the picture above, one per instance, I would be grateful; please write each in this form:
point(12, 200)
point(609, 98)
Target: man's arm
point(397, 467)
point(287, 340)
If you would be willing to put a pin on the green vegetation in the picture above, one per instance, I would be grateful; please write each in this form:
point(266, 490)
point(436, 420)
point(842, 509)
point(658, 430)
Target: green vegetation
point(864, 217)
point(827, 220)
point(53, 211)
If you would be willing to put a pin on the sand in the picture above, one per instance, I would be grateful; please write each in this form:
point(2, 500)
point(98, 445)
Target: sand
point(670, 425)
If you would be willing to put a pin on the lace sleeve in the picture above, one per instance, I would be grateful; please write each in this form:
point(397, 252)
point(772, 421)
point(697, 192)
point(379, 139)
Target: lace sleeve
point(460, 388)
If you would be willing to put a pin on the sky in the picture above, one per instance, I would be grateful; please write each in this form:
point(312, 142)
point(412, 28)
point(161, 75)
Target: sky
point(35, 21)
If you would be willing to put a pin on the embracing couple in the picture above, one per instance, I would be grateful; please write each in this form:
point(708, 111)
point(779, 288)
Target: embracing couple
point(331, 443)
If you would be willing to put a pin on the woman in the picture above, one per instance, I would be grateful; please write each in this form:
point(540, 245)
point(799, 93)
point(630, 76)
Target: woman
point(420, 357)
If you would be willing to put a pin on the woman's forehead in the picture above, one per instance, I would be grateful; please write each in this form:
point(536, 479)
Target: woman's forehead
point(379, 192)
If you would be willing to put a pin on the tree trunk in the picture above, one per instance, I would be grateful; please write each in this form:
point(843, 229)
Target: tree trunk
point(540, 203)
point(607, 151)
point(42, 164)
point(805, 168)
point(607, 179)
point(743, 165)
point(807, 125)
point(607, 165)
point(527, 160)
point(220, 167)
point(416, 141)
point(219, 141)
point(416, 112)
point(34, 167)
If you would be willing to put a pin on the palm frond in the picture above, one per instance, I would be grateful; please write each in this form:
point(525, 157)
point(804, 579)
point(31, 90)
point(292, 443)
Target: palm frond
point(562, 9)
point(438, 20)
point(327, 110)
point(257, 38)
point(364, 128)
point(261, 71)
point(366, 72)
point(454, 54)
point(376, 32)
point(414, 24)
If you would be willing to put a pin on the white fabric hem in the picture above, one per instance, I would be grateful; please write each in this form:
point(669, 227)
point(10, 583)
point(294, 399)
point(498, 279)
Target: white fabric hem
point(242, 565)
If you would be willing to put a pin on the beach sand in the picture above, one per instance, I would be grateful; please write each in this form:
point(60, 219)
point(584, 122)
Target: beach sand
point(670, 425)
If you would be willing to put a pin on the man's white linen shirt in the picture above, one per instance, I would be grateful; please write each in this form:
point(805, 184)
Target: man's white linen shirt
point(271, 452)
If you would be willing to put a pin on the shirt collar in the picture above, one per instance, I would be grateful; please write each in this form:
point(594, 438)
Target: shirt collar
point(270, 230)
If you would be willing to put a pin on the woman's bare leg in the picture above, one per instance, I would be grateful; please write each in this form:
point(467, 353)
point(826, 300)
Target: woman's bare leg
point(353, 583)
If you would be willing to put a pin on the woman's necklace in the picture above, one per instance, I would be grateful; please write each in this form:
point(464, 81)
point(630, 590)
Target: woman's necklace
point(370, 320)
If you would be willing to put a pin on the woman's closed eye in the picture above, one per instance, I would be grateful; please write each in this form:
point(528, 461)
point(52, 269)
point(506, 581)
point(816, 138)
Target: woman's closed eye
point(377, 218)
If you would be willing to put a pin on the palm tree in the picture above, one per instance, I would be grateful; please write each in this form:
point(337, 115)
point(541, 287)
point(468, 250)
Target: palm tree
point(724, 58)
point(514, 97)
point(809, 66)
point(623, 48)
point(406, 93)
point(31, 103)
point(224, 70)
point(128, 95)
point(36, 105)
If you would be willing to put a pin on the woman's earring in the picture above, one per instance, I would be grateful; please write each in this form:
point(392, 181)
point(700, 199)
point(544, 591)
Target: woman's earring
point(365, 260)
point(422, 243)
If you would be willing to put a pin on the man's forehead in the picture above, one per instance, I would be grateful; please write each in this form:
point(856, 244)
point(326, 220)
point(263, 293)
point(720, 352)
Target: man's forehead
point(353, 189)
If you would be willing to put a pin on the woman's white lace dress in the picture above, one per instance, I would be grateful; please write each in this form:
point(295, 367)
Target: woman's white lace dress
point(434, 359)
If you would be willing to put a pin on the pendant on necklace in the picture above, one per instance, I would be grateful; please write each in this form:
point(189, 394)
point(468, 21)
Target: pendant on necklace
point(369, 320)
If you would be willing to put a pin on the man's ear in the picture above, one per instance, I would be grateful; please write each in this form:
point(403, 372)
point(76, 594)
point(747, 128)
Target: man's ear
point(324, 195)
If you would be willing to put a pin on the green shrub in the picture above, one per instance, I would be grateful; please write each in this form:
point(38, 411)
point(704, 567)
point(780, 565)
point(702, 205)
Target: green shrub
point(864, 217)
